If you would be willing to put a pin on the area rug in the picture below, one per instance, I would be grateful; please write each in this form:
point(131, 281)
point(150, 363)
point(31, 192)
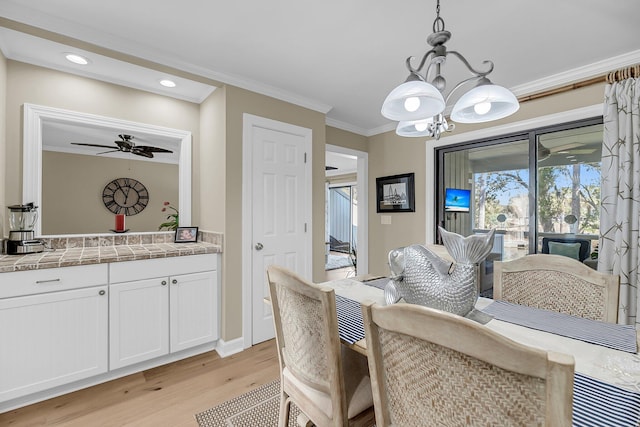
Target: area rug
point(336, 261)
point(259, 407)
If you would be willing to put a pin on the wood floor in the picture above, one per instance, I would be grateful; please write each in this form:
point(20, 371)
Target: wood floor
point(168, 396)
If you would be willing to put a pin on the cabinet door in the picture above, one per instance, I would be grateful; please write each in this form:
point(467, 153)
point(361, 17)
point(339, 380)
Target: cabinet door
point(51, 339)
point(194, 309)
point(139, 321)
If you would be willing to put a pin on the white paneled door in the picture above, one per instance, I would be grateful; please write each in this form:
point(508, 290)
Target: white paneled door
point(281, 203)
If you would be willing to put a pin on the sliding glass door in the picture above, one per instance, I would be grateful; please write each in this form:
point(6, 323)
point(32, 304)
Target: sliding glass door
point(541, 184)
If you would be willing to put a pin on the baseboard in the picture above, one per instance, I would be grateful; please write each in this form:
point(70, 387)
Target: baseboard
point(234, 346)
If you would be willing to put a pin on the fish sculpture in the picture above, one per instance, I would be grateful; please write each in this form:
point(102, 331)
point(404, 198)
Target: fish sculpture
point(421, 277)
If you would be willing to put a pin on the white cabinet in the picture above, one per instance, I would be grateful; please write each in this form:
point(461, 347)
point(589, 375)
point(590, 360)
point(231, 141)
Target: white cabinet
point(62, 329)
point(52, 337)
point(139, 321)
point(193, 310)
point(173, 311)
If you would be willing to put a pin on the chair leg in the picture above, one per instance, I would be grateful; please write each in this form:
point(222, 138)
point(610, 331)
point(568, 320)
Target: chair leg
point(285, 404)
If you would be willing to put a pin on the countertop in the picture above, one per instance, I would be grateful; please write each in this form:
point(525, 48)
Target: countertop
point(54, 258)
point(70, 250)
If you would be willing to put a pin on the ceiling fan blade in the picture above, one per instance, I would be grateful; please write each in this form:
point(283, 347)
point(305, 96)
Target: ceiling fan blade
point(142, 153)
point(583, 151)
point(566, 147)
point(111, 151)
point(150, 149)
point(93, 145)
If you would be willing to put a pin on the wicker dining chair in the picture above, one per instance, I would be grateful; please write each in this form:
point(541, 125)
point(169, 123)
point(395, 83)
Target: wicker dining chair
point(430, 367)
point(557, 283)
point(326, 380)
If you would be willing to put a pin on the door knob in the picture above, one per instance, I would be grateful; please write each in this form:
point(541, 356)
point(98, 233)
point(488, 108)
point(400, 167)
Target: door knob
point(259, 246)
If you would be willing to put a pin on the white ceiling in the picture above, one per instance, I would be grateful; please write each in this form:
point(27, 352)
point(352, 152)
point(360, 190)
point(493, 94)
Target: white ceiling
point(344, 163)
point(338, 57)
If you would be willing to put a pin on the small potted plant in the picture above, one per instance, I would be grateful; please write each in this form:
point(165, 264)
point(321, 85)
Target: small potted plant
point(172, 218)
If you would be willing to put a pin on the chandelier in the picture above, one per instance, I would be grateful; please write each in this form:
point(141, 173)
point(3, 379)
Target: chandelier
point(419, 105)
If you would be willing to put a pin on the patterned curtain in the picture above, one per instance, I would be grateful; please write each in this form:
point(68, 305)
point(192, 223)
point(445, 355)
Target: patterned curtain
point(619, 245)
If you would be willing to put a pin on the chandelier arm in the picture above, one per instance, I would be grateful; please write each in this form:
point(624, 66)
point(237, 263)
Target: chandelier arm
point(422, 62)
point(473, 70)
point(459, 85)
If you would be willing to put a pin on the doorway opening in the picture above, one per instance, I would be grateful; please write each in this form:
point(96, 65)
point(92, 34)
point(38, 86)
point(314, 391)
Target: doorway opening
point(345, 225)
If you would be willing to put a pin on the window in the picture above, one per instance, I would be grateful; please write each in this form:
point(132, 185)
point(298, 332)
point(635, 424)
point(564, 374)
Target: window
point(544, 183)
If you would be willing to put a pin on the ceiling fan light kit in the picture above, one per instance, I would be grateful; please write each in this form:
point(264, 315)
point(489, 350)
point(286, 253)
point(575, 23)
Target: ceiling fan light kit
point(419, 105)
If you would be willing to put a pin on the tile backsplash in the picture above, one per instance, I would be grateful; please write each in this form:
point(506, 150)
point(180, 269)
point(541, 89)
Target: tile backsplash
point(95, 240)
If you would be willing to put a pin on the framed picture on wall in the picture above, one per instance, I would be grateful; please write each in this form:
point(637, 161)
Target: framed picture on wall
point(395, 193)
point(186, 234)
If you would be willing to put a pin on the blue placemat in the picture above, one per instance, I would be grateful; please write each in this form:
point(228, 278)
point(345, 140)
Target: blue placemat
point(350, 323)
point(598, 404)
point(611, 335)
point(379, 282)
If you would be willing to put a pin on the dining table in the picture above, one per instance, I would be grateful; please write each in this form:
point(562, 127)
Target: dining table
point(604, 376)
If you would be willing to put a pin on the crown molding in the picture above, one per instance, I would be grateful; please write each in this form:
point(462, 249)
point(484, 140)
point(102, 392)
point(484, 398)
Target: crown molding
point(581, 73)
point(346, 126)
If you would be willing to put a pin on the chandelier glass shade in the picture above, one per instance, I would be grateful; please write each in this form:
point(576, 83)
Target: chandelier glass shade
point(424, 127)
point(419, 104)
point(484, 103)
point(413, 100)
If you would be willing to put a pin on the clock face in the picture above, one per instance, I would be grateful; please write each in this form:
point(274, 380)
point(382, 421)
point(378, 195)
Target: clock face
point(125, 196)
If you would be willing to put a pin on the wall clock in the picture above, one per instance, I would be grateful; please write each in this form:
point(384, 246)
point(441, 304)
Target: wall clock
point(125, 196)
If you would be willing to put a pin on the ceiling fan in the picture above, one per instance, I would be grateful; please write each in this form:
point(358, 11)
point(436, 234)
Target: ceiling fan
point(126, 145)
point(571, 148)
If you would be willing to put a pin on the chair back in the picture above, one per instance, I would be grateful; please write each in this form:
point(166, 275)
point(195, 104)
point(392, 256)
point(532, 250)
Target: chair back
point(557, 283)
point(430, 367)
point(307, 337)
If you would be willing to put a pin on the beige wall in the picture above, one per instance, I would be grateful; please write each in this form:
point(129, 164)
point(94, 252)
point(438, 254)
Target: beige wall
point(30, 84)
point(241, 101)
point(72, 187)
point(347, 139)
point(390, 154)
point(212, 176)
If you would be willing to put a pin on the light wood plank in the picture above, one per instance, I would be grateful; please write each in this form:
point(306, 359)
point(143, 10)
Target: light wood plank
point(169, 395)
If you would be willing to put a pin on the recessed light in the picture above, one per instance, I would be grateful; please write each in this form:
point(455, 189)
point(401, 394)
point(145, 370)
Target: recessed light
point(168, 83)
point(76, 59)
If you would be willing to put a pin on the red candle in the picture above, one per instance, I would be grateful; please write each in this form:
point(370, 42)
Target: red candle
point(119, 222)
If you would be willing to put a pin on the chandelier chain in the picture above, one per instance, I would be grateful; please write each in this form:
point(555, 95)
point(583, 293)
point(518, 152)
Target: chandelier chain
point(438, 23)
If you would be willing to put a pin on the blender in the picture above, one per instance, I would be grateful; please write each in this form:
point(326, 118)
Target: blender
point(21, 240)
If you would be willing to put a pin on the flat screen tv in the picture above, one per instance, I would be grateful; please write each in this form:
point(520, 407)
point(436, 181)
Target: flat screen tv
point(457, 200)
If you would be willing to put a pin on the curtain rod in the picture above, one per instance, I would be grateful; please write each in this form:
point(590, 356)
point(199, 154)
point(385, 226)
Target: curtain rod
point(611, 77)
point(624, 73)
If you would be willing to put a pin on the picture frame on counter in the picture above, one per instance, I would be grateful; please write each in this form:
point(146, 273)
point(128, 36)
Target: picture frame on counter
point(186, 235)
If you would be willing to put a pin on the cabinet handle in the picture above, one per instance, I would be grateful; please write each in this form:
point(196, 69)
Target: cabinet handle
point(101, 293)
point(164, 283)
point(47, 281)
point(174, 281)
